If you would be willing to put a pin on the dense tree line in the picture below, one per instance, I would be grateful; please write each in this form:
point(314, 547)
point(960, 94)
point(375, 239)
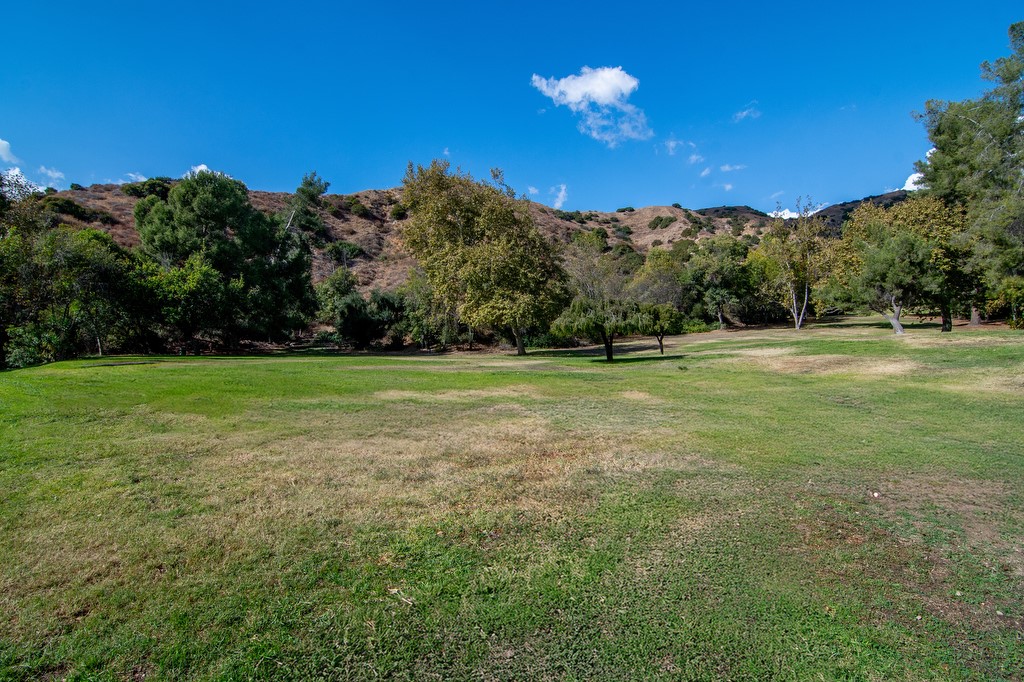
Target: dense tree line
point(212, 271)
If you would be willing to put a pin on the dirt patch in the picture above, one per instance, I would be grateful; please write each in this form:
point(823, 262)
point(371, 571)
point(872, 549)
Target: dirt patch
point(636, 395)
point(524, 391)
point(834, 364)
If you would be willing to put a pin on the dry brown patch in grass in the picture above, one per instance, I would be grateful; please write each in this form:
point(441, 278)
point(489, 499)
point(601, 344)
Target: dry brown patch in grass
point(833, 364)
point(469, 395)
point(636, 395)
point(1011, 383)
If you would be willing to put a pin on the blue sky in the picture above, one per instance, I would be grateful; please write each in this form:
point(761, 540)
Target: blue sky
point(736, 103)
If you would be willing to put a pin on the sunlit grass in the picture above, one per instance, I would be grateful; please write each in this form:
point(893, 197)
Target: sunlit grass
point(836, 502)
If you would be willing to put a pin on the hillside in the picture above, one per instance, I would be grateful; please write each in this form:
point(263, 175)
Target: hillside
point(385, 264)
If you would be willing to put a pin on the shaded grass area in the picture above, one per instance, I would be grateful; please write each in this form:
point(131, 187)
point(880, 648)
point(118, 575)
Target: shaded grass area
point(834, 503)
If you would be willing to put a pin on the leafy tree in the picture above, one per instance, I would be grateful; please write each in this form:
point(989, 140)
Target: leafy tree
point(265, 262)
point(480, 250)
point(602, 307)
point(716, 267)
point(795, 248)
point(881, 264)
point(303, 212)
point(976, 160)
point(659, 319)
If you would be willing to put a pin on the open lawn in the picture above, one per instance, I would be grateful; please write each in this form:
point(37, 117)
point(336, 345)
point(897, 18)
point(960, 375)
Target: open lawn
point(834, 503)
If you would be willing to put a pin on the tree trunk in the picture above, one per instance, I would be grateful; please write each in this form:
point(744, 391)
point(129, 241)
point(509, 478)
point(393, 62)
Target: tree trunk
point(607, 339)
point(661, 342)
point(520, 348)
point(947, 317)
point(721, 322)
point(894, 319)
point(975, 316)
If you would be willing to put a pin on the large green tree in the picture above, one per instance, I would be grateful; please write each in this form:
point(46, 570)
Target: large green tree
point(796, 247)
point(976, 161)
point(480, 250)
point(261, 261)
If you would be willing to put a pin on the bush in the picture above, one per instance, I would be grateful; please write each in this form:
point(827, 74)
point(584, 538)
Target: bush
point(76, 187)
point(342, 252)
point(153, 187)
point(625, 209)
point(677, 205)
point(661, 222)
point(356, 208)
point(657, 242)
point(399, 212)
point(697, 327)
point(68, 207)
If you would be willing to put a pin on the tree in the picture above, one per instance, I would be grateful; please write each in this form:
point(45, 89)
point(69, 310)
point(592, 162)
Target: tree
point(263, 265)
point(978, 151)
point(795, 247)
point(303, 212)
point(602, 307)
point(480, 250)
point(882, 264)
point(716, 267)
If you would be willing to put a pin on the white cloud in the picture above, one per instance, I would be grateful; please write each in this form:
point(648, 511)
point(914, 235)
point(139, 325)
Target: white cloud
point(727, 187)
point(695, 158)
point(52, 173)
point(6, 155)
point(914, 182)
point(787, 214)
point(706, 172)
point(561, 193)
point(201, 168)
point(599, 97)
point(532, 190)
point(750, 111)
point(671, 146)
point(446, 152)
point(778, 194)
point(136, 177)
point(728, 168)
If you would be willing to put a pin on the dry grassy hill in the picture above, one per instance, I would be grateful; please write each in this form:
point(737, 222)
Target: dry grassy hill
point(385, 264)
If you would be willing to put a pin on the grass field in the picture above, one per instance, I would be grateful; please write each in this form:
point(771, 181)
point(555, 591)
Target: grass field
point(835, 503)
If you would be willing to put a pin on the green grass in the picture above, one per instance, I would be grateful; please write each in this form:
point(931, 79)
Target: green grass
point(709, 514)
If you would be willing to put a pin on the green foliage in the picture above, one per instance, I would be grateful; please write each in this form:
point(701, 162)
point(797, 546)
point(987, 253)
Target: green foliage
point(625, 209)
point(484, 258)
point(263, 267)
point(303, 212)
point(677, 205)
point(76, 187)
point(975, 163)
point(68, 207)
point(399, 212)
point(343, 252)
point(152, 187)
point(661, 222)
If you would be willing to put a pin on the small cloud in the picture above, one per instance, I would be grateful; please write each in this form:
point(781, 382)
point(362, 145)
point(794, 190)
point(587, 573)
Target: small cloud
point(6, 155)
point(53, 174)
point(599, 97)
point(914, 182)
point(695, 158)
point(706, 172)
point(136, 177)
point(727, 168)
point(848, 107)
point(532, 190)
point(787, 214)
point(727, 187)
point(778, 194)
point(750, 111)
point(561, 193)
point(671, 146)
point(446, 152)
point(195, 170)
